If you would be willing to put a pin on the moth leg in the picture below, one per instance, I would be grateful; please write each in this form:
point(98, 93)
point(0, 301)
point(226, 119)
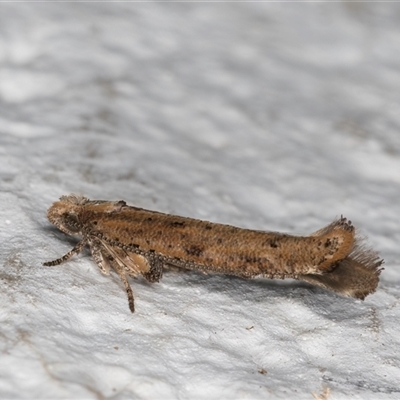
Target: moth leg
point(121, 272)
point(99, 257)
point(76, 250)
point(156, 270)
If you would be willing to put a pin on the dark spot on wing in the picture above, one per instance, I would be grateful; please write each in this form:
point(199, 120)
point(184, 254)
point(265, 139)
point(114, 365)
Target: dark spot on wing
point(194, 251)
point(271, 243)
point(177, 223)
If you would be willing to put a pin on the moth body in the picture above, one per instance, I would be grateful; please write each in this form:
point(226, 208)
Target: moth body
point(135, 241)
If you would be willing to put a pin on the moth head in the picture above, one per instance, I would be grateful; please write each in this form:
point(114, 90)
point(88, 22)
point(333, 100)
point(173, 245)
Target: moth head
point(65, 214)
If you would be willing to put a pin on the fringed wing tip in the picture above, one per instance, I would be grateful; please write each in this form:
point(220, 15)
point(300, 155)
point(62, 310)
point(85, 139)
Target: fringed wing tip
point(357, 275)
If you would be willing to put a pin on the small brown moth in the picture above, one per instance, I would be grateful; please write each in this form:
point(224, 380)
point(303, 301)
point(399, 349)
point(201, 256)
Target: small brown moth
point(134, 241)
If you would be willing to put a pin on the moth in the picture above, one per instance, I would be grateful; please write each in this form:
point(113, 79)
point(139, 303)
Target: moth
point(133, 241)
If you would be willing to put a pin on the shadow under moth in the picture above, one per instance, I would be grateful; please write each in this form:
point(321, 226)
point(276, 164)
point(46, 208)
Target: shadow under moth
point(134, 241)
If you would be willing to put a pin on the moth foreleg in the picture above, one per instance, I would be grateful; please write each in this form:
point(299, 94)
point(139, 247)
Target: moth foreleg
point(102, 260)
point(76, 250)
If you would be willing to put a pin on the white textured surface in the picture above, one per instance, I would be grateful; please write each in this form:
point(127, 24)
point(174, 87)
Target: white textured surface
point(269, 116)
